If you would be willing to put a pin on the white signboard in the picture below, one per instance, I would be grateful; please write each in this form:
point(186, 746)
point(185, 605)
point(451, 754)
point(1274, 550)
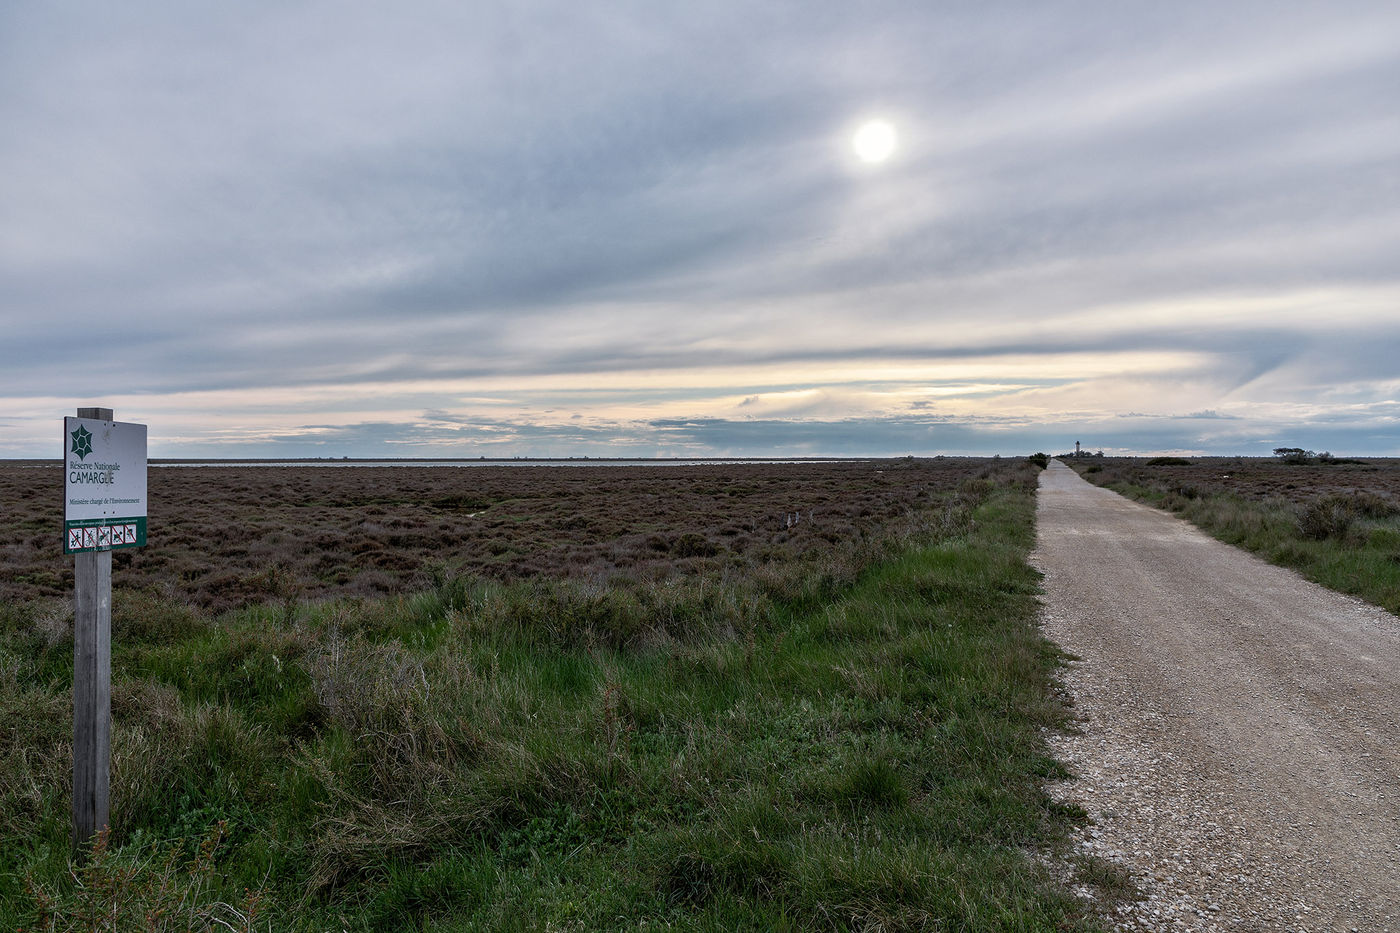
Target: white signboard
point(104, 486)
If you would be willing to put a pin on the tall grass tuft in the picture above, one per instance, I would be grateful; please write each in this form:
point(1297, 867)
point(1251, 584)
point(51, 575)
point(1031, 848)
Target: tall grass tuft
point(177, 890)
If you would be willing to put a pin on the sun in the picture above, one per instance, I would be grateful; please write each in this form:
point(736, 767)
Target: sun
point(875, 141)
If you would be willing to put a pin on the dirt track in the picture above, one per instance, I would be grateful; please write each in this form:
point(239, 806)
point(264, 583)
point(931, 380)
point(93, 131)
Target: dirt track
point(1240, 752)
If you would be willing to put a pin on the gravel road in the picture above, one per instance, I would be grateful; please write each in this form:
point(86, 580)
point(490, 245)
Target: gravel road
point(1239, 751)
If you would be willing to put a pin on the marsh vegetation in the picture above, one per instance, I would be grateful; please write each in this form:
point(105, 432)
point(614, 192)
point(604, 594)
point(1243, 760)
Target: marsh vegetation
point(728, 720)
point(224, 538)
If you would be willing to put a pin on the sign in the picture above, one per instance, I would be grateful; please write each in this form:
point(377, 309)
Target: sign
point(104, 486)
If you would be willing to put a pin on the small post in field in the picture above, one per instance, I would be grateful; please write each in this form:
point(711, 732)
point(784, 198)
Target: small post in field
point(104, 508)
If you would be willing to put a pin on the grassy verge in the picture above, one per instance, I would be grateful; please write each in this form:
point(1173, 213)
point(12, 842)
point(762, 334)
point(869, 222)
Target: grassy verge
point(851, 746)
point(1345, 539)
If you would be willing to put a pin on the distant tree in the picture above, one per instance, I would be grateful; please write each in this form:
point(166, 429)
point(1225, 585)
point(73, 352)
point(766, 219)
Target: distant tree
point(1294, 454)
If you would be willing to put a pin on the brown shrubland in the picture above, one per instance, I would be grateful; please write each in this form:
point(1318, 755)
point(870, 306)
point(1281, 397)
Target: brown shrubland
point(225, 537)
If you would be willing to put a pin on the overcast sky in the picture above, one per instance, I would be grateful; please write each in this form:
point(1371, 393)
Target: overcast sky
point(552, 229)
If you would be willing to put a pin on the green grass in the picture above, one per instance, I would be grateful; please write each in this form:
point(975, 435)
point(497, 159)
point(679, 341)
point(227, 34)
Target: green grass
point(1346, 541)
point(851, 746)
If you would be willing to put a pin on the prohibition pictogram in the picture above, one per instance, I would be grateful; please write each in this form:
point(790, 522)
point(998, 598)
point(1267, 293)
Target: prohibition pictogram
point(98, 537)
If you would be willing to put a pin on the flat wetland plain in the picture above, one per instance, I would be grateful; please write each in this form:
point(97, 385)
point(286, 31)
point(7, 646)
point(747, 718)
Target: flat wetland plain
point(733, 696)
point(223, 538)
point(772, 696)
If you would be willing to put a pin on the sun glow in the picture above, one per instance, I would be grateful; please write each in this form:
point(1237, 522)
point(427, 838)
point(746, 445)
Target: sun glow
point(875, 141)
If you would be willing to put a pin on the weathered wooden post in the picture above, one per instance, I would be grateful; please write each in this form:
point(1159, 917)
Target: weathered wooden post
point(92, 694)
point(104, 508)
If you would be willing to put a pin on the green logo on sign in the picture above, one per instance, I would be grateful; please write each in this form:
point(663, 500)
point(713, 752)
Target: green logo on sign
point(82, 442)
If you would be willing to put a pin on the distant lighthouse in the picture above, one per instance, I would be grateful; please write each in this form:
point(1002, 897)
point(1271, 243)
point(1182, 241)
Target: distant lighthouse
point(1076, 449)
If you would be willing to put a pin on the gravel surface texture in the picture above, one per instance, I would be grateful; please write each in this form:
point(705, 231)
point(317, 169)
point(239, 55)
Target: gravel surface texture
point(1239, 750)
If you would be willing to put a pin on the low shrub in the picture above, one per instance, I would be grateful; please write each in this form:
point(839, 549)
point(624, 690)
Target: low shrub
point(1328, 517)
point(1371, 505)
point(1333, 515)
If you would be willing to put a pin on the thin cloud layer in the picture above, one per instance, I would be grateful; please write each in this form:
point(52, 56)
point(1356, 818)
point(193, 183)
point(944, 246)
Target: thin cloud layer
point(564, 230)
